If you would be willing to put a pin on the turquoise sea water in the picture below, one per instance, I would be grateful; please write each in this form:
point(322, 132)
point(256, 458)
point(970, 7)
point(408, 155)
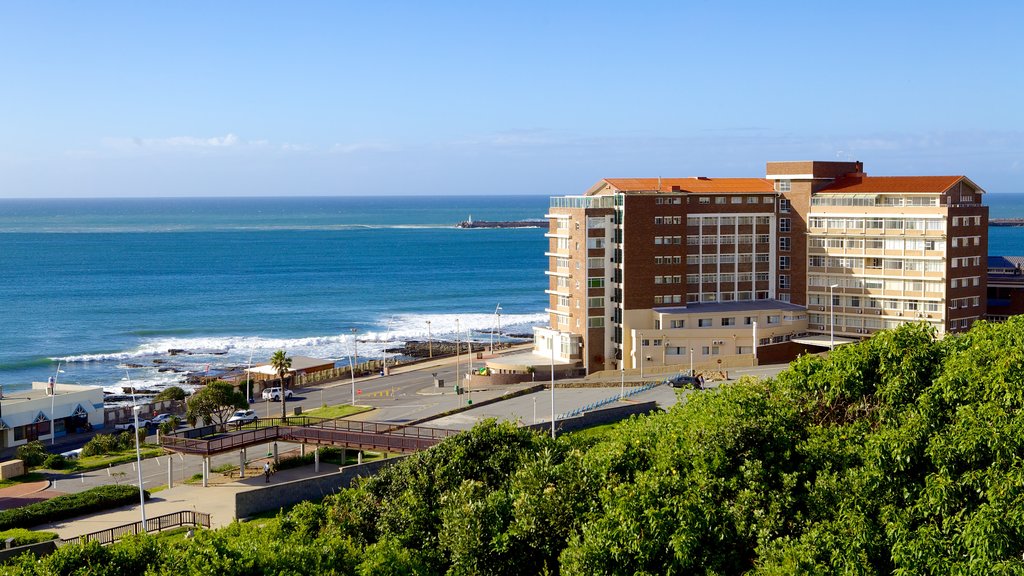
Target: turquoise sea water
point(99, 284)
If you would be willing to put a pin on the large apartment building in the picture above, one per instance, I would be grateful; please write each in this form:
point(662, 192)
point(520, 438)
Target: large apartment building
point(712, 271)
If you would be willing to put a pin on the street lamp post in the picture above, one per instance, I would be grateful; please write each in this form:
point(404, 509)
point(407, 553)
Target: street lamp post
point(497, 314)
point(691, 360)
point(641, 339)
point(622, 379)
point(556, 336)
point(138, 451)
point(53, 396)
point(430, 341)
point(499, 327)
point(352, 369)
point(458, 367)
point(832, 317)
point(248, 375)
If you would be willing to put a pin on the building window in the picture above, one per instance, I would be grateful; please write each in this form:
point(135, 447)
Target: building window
point(728, 321)
point(719, 199)
point(784, 281)
point(773, 319)
point(704, 323)
point(785, 225)
point(784, 244)
point(783, 205)
point(704, 200)
point(751, 199)
point(783, 262)
point(595, 282)
point(595, 302)
point(785, 186)
point(678, 323)
point(595, 322)
point(784, 297)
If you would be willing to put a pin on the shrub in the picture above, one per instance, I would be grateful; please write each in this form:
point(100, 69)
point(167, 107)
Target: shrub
point(55, 462)
point(170, 425)
point(170, 393)
point(32, 454)
point(100, 444)
point(24, 537)
point(69, 506)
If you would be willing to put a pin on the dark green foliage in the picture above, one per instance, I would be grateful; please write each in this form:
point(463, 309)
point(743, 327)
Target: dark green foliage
point(899, 455)
point(55, 462)
point(214, 403)
point(69, 506)
point(170, 393)
point(32, 454)
point(111, 443)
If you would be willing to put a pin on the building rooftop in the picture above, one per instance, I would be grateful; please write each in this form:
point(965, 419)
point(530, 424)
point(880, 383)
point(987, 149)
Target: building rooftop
point(299, 363)
point(727, 307)
point(696, 185)
point(1006, 262)
point(883, 184)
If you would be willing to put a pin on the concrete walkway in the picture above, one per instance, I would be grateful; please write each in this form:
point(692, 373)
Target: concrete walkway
point(217, 500)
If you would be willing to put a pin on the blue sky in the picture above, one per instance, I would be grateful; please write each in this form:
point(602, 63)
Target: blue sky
point(372, 98)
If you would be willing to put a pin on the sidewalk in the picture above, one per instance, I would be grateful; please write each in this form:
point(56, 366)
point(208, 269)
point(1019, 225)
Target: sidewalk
point(217, 500)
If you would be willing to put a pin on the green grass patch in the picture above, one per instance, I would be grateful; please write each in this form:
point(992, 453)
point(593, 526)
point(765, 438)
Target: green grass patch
point(223, 468)
point(88, 463)
point(337, 411)
point(30, 477)
point(24, 537)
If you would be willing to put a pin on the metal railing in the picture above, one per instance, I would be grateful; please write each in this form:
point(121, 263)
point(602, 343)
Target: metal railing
point(155, 524)
point(341, 432)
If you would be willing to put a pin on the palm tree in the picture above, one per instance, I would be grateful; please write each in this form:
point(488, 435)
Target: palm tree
point(282, 364)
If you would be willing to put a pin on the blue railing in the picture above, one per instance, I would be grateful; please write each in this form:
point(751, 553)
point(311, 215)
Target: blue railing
point(610, 400)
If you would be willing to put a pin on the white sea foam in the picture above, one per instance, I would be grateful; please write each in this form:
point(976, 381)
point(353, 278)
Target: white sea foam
point(222, 351)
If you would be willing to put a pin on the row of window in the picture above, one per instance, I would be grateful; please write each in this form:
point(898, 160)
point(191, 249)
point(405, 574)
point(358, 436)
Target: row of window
point(969, 302)
point(725, 277)
point(730, 258)
point(866, 200)
point(963, 323)
point(957, 241)
point(713, 239)
point(902, 244)
point(851, 323)
point(902, 285)
point(964, 282)
point(722, 221)
point(711, 322)
point(668, 219)
point(875, 303)
point(965, 261)
point(877, 223)
point(876, 263)
point(966, 220)
point(736, 199)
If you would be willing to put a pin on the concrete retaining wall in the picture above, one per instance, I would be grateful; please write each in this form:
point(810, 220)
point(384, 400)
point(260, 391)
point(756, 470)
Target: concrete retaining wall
point(40, 549)
point(597, 417)
point(276, 496)
point(11, 469)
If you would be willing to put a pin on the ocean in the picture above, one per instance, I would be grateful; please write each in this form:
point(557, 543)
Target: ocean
point(102, 284)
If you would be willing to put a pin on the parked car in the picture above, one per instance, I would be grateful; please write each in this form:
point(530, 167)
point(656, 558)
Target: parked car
point(243, 417)
point(161, 418)
point(130, 425)
point(275, 394)
point(685, 381)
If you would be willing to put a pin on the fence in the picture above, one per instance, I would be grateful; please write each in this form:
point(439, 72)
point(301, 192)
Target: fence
point(156, 524)
point(609, 400)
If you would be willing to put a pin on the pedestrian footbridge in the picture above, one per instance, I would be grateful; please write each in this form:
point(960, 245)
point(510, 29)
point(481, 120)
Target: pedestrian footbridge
point(356, 435)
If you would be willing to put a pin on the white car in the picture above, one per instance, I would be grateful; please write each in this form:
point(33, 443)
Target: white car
point(243, 417)
point(275, 394)
point(161, 418)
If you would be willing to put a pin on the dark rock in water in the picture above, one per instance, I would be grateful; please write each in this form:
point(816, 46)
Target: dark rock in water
point(176, 351)
point(159, 361)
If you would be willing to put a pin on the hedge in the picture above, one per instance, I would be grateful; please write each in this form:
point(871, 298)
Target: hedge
point(69, 505)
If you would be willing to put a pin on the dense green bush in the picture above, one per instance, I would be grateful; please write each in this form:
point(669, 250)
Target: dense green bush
point(111, 443)
point(32, 454)
point(55, 462)
point(68, 506)
point(22, 537)
point(170, 393)
point(898, 455)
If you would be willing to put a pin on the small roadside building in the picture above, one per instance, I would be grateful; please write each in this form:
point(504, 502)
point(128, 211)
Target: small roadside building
point(300, 365)
point(38, 414)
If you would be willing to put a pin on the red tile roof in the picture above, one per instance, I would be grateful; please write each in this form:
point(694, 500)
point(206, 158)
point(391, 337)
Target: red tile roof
point(693, 185)
point(881, 184)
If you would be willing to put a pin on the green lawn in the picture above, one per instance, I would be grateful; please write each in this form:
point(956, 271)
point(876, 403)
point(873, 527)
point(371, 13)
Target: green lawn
point(87, 463)
point(30, 477)
point(338, 411)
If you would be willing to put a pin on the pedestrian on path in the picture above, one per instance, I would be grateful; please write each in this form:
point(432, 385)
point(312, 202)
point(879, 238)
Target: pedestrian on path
point(266, 471)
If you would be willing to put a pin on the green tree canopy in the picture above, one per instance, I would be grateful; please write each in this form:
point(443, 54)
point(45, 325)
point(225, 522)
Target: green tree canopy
point(215, 403)
point(171, 393)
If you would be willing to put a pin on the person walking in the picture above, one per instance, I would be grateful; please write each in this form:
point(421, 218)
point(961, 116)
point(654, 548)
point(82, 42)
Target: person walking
point(266, 471)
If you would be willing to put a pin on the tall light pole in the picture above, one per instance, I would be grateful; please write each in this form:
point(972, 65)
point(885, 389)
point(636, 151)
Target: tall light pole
point(352, 369)
point(832, 317)
point(248, 375)
point(387, 337)
point(430, 341)
point(138, 451)
point(641, 339)
point(499, 327)
point(497, 314)
point(558, 336)
point(622, 378)
point(691, 360)
point(458, 367)
point(53, 396)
